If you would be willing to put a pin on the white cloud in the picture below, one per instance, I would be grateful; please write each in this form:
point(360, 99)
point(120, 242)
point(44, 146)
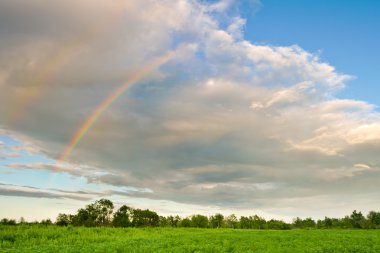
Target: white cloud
point(362, 166)
point(224, 121)
point(220, 5)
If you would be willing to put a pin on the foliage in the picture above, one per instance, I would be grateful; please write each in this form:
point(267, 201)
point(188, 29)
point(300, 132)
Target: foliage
point(122, 217)
point(144, 218)
point(231, 221)
point(278, 225)
point(199, 221)
point(63, 219)
point(217, 221)
point(99, 214)
point(306, 223)
point(357, 219)
point(253, 222)
point(95, 214)
point(185, 223)
point(6, 221)
point(374, 219)
point(173, 221)
point(46, 222)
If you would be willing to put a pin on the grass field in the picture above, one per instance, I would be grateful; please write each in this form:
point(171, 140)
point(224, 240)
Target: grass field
point(72, 239)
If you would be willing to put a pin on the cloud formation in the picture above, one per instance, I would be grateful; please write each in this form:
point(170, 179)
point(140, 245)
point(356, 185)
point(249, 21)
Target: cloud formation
point(27, 191)
point(223, 122)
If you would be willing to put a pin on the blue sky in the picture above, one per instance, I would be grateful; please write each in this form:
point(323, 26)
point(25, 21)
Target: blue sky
point(267, 107)
point(346, 33)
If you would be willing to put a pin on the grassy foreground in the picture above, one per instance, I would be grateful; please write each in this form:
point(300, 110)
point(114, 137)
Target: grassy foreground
point(73, 239)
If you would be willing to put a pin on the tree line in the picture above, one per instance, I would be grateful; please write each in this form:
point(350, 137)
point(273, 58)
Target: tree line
point(101, 213)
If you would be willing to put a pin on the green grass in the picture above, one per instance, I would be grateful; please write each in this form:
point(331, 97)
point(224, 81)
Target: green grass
point(71, 239)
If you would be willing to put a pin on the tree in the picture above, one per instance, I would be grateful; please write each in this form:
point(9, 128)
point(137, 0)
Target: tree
point(173, 221)
point(46, 222)
point(357, 219)
point(102, 209)
point(199, 221)
point(306, 223)
point(345, 222)
point(335, 222)
point(22, 220)
point(258, 222)
point(122, 217)
point(374, 219)
point(185, 223)
point(245, 222)
point(231, 221)
point(63, 220)
point(96, 214)
point(216, 221)
point(83, 218)
point(163, 221)
point(320, 224)
point(6, 221)
point(297, 222)
point(278, 225)
point(145, 218)
point(328, 222)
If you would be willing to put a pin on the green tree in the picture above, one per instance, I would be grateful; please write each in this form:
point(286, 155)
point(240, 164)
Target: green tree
point(164, 222)
point(6, 221)
point(297, 223)
point(258, 222)
point(306, 223)
point(95, 214)
point(328, 222)
point(22, 220)
point(102, 209)
point(145, 218)
point(357, 219)
point(122, 217)
point(245, 222)
point(46, 222)
point(231, 221)
point(63, 220)
point(337, 223)
point(216, 221)
point(374, 219)
point(199, 221)
point(173, 221)
point(185, 223)
point(278, 225)
point(83, 218)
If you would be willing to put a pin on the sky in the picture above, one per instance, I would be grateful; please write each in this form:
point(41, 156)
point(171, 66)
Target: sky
point(189, 106)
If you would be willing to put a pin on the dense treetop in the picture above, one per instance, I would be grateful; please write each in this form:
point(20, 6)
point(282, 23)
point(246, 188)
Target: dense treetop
point(101, 213)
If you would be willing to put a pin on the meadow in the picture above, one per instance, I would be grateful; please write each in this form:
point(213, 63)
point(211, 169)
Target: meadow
point(39, 238)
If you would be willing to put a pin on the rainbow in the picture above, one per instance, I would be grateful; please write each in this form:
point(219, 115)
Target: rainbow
point(107, 102)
